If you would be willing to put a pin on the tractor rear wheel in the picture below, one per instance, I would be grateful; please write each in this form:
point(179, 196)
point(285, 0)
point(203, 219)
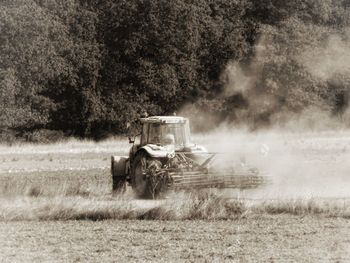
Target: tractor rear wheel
point(143, 178)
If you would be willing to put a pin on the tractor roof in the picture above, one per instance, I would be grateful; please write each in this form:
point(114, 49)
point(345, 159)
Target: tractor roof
point(164, 119)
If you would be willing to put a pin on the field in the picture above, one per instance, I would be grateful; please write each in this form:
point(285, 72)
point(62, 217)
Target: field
point(56, 205)
point(281, 238)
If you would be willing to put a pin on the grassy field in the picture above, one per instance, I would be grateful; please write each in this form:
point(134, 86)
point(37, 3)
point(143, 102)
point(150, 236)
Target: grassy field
point(56, 205)
point(279, 238)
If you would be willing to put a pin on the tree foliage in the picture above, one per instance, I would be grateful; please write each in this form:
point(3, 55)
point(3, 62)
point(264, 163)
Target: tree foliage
point(87, 67)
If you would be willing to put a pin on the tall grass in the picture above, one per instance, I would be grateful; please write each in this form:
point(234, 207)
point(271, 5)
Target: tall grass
point(87, 195)
point(202, 205)
point(304, 207)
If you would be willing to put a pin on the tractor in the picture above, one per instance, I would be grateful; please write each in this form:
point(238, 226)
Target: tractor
point(165, 159)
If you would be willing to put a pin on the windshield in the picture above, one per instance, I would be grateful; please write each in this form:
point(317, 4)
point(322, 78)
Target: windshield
point(179, 133)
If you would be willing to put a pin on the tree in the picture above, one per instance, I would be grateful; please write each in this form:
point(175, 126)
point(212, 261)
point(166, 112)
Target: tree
point(29, 41)
point(74, 91)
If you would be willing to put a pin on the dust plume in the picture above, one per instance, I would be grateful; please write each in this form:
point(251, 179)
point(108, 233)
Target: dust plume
point(294, 123)
point(300, 165)
point(290, 83)
point(331, 59)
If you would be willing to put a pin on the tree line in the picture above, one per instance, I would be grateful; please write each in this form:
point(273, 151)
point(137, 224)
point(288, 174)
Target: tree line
point(85, 68)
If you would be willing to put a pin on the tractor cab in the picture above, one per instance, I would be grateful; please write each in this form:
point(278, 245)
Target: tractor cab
point(163, 136)
point(165, 130)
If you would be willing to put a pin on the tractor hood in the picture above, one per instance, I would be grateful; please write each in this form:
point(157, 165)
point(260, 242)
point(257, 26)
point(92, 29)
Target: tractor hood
point(158, 151)
point(194, 148)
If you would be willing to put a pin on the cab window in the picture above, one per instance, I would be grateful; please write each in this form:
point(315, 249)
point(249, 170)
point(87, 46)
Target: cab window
point(154, 135)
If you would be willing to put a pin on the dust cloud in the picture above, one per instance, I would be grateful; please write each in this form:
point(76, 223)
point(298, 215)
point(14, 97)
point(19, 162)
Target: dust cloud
point(330, 60)
point(300, 165)
point(306, 154)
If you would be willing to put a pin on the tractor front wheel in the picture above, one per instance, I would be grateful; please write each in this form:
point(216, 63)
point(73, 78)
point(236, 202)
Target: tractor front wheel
point(118, 167)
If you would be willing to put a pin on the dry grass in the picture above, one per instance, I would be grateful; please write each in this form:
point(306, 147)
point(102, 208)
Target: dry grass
point(84, 192)
point(116, 145)
point(202, 205)
point(93, 182)
point(50, 194)
point(305, 207)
